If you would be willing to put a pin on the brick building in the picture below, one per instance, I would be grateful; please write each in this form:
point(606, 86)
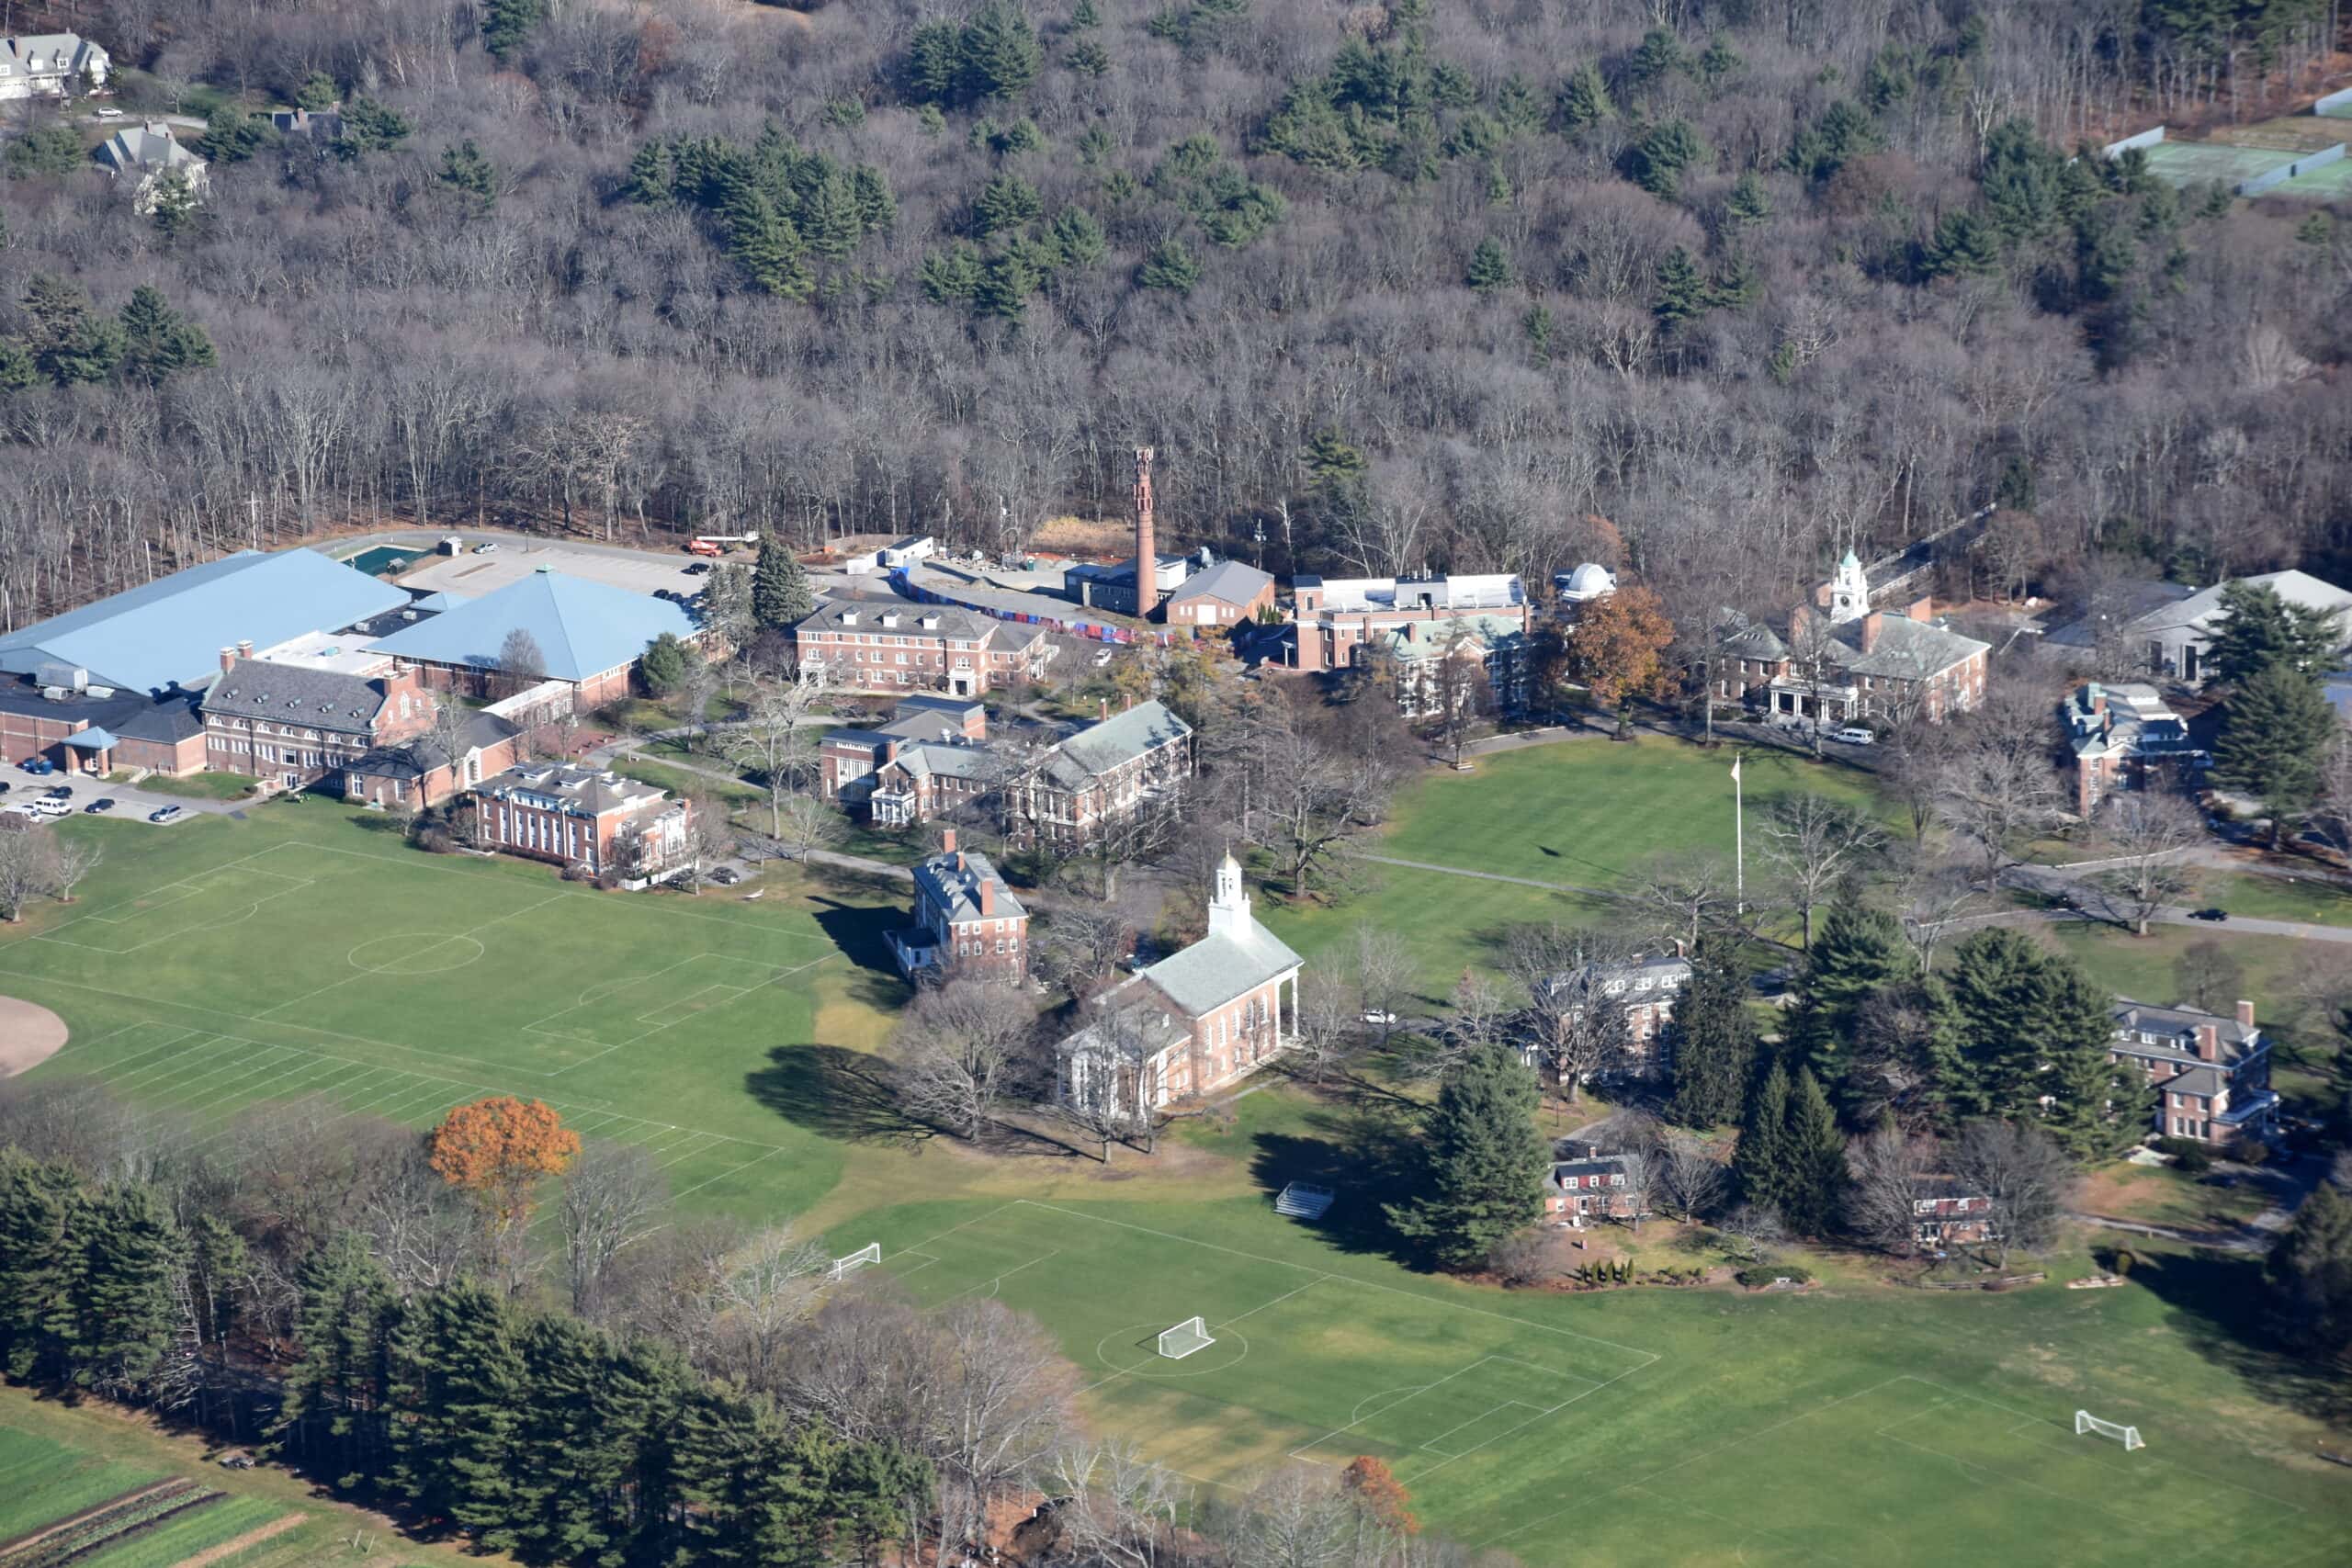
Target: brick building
point(1417, 658)
point(1106, 775)
point(2211, 1074)
point(1190, 1023)
point(97, 729)
point(866, 646)
point(1642, 989)
point(1945, 1214)
point(419, 772)
point(569, 815)
point(930, 758)
point(1844, 663)
point(291, 727)
point(1226, 594)
point(1331, 617)
point(2119, 737)
point(967, 920)
point(1593, 1186)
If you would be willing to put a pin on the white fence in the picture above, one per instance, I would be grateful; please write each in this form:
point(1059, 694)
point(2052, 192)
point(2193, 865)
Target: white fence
point(2285, 172)
point(2148, 138)
point(2335, 104)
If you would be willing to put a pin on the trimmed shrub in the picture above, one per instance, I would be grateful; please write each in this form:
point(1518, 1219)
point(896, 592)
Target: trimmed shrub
point(1758, 1276)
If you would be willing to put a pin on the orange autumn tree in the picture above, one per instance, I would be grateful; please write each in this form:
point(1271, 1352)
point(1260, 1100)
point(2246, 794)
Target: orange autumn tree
point(1380, 1494)
point(498, 1148)
point(1618, 649)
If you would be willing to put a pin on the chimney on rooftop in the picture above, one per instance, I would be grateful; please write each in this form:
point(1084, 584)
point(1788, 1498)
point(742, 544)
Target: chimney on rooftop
point(2209, 1042)
point(244, 650)
point(1147, 551)
point(987, 895)
point(1870, 624)
point(947, 840)
point(227, 659)
point(2245, 1015)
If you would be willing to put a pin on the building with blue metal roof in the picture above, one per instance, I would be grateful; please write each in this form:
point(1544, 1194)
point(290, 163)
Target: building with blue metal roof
point(588, 634)
point(169, 633)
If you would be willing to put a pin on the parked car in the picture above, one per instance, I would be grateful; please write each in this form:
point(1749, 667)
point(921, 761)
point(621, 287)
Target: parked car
point(695, 568)
point(109, 114)
point(1379, 1016)
point(5, 787)
point(38, 766)
point(726, 876)
point(166, 814)
point(47, 807)
point(485, 547)
point(1854, 735)
point(104, 802)
point(1104, 657)
point(2212, 912)
point(58, 792)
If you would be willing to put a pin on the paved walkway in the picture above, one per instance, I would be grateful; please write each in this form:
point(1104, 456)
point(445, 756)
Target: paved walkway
point(2050, 880)
point(1491, 877)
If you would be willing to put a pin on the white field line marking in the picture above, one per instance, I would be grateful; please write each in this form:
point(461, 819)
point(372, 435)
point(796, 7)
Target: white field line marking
point(358, 973)
point(1539, 1411)
point(1431, 1445)
point(725, 1174)
point(193, 1060)
point(146, 1054)
point(996, 1282)
point(1749, 1531)
point(331, 1084)
point(242, 915)
point(1277, 1300)
point(776, 978)
point(191, 1099)
point(1649, 1358)
point(690, 1152)
point(1643, 1481)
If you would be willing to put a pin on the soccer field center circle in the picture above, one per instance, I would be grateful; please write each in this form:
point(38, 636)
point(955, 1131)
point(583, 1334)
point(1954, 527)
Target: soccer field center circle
point(1135, 1349)
point(417, 952)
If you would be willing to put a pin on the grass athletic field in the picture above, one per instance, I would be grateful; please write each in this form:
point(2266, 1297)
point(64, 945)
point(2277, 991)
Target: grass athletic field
point(302, 952)
point(1641, 1427)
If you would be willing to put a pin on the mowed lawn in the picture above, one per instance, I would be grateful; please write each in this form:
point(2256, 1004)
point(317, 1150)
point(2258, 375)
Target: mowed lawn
point(1582, 814)
point(306, 951)
point(1588, 812)
point(1850, 1426)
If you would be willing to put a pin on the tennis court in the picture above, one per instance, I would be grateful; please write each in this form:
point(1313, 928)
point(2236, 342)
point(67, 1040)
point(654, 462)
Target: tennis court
point(2184, 164)
point(2329, 182)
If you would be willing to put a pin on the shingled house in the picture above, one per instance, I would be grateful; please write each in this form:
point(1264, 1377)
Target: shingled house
point(1189, 1024)
point(929, 758)
point(572, 815)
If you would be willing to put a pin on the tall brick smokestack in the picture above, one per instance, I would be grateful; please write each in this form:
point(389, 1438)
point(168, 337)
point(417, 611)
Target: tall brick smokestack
point(1147, 556)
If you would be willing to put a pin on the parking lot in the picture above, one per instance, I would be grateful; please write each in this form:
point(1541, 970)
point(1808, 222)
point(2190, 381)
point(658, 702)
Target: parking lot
point(131, 801)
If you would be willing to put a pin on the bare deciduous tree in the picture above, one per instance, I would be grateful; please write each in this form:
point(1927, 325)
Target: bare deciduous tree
point(1690, 1177)
point(1889, 1170)
point(772, 738)
point(2149, 834)
point(69, 862)
point(804, 824)
point(24, 869)
point(1818, 845)
point(1688, 894)
point(1995, 793)
point(1116, 1508)
point(958, 1045)
point(613, 1197)
point(1380, 974)
point(2025, 1175)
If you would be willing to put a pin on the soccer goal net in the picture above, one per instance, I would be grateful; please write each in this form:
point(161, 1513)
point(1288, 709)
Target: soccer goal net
point(2127, 1435)
point(844, 1267)
point(1184, 1339)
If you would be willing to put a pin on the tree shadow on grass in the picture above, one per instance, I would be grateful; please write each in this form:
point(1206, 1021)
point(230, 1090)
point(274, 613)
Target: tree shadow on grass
point(835, 1091)
point(1368, 1158)
point(2222, 1306)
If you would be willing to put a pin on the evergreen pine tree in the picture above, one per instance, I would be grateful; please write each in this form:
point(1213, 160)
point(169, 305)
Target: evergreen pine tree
point(1585, 101)
point(2259, 629)
point(71, 342)
point(1750, 202)
point(998, 52)
point(571, 1455)
point(334, 1409)
point(1076, 238)
point(1484, 1161)
point(158, 342)
point(780, 593)
point(34, 1262)
point(663, 664)
point(175, 207)
point(1715, 1042)
point(1761, 1161)
point(952, 276)
point(462, 1398)
point(652, 174)
point(1490, 267)
point(877, 206)
point(1656, 57)
point(1083, 15)
point(757, 1485)
point(1857, 953)
point(764, 243)
point(2274, 742)
point(1682, 295)
point(17, 370)
point(318, 93)
point(2308, 1275)
point(2097, 1108)
point(1992, 988)
point(504, 23)
point(935, 63)
point(126, 1253)
point(1006, 202)
point(1169, 267)
point(1538, 326)
point(1964, 246)
point(466, 171)
point(1814, 1157)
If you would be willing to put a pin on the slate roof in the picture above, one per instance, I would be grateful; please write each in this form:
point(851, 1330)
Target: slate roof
point(289, 694)
point(171, 631)
point(414, 759)
point(1120, 738)
point(934, 759)
point(861, 617)
point(1416, 640)
point(2202, 610)
point(1637, 976)
point(1230, 581)
point(583, 628)
point(951, 881)
point(1219, 968)
point(2127, 604)
point(148, 146)
point(45, 54)
point(1906, 649)
point(131, 715)
point(2135, 722)
point(572, 790)
point(2175, 1030)
point(1756, 640)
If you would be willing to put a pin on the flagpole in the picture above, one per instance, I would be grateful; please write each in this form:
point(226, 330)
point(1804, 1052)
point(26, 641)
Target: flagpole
point(1738, 843)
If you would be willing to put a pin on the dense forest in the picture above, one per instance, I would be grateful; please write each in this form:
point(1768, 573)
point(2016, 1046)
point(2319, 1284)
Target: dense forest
point(1711, 289)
